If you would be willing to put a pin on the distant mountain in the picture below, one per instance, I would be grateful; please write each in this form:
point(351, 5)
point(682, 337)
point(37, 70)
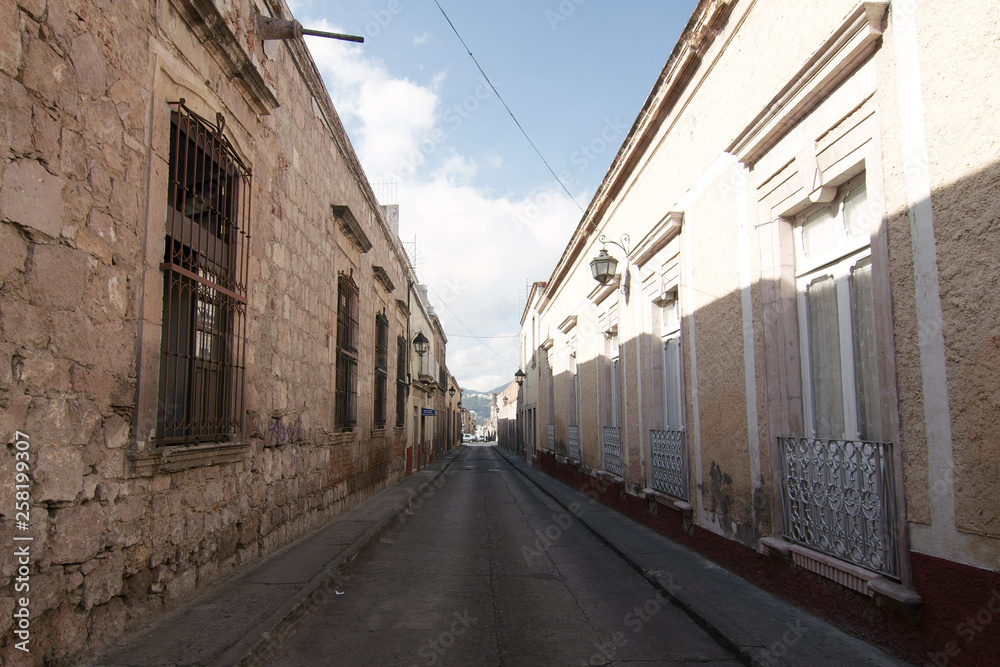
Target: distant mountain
point(495, 390)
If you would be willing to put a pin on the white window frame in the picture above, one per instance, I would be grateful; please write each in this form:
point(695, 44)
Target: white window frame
point(673, 387)
point(616, 389)
point(836, 263)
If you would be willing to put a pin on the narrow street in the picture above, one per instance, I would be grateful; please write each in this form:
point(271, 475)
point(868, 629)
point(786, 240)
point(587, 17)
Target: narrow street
point(490, 571)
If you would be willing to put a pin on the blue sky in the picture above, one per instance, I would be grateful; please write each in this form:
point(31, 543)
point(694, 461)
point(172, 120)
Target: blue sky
point(486, 213)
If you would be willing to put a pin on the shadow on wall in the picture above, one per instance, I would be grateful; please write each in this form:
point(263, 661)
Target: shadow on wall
point(951, 627)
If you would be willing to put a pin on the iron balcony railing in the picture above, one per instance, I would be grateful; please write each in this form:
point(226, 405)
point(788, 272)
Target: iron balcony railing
point(552, 437)
point(613, 449)
point(838, 498)
point(670, 465)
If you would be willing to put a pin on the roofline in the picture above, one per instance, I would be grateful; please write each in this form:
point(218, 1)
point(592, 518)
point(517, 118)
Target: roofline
point(684, 60)
point(536, 286)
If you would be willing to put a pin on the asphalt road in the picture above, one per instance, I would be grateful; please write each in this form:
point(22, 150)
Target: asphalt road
point(490, 571)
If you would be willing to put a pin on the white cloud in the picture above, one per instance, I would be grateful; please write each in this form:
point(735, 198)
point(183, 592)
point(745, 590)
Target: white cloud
point(421, 39)
point(477, 249)
point(392, 115)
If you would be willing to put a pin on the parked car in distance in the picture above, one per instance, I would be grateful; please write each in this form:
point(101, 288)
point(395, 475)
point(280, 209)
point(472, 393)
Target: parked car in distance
point(467, 437)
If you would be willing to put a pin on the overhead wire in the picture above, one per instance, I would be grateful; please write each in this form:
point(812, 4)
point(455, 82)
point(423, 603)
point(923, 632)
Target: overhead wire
point(505, 106)
point(482, 341)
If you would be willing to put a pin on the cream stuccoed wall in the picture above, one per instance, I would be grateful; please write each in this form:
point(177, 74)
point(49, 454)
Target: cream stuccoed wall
point(932, 137)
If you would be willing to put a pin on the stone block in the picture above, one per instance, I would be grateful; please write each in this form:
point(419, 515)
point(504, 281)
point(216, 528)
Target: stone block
point(129, 510)
point(116, 432)
point(13, 251)
point(15, 116)
point(181, 586)
point(6, 614)
point(46, 137)
point(74, 337)
point(58, 277)
point(79, 533)
point(107, 622)
point(89, 243)
point(72, 155)
point(41, 375)
point(50, 420)
point(136, 587)
point(48, 590)
point(36, 8)
point(95, 384)
point(58, 473)
point(32, 197)
point(50, 75)
point(104, 581)
point(86, 420)
point(10, 38)
point(24, 324)
point(113, 465)
point(91, 70)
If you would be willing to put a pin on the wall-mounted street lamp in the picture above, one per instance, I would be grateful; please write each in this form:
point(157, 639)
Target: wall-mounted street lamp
point(519, 377)
point(505, 399)
point(603, 266)
point(270, 27)
point(421, 344)
point(451, 392)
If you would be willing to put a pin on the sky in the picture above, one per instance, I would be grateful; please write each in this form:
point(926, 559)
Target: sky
point(483, 212)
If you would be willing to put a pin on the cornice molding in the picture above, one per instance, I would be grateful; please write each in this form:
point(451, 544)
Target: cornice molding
point(852, 43)
point(211, 29)
point(351, 228)
point(662, 233)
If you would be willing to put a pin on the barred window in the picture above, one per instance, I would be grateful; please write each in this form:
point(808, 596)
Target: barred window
point(347, 352)
point(381, 368)
point(400, 381)
point(204, 285)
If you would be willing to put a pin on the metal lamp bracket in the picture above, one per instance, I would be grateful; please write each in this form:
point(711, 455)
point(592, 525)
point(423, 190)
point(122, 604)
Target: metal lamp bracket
point(270, 27)
point(626, 279)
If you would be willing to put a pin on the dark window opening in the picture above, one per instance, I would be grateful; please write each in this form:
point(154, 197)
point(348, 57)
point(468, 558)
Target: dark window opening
point(400, 381)
point(381, 369)
point(347, 353)
point(204, 286)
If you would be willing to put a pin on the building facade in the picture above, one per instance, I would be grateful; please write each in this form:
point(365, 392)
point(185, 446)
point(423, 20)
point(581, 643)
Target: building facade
point(790, 368)
point(205, 312)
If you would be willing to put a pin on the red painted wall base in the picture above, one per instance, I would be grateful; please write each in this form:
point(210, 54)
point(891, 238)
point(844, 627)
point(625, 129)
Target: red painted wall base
point(959, 623)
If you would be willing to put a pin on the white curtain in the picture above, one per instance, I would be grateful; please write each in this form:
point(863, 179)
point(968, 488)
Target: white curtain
point(824, 358)
point(865, 366)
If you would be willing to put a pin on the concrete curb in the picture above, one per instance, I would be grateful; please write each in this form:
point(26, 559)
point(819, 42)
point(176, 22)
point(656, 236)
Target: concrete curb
point(741, 640)
point(650, 576)
point(272, 633)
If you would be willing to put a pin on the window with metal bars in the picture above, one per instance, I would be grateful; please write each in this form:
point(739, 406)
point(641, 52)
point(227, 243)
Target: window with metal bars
point(347, 352)
point(381, 368)
point(400, 381)
point(204, 268)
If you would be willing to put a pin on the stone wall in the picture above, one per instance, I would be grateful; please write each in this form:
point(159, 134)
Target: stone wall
point(124, 530)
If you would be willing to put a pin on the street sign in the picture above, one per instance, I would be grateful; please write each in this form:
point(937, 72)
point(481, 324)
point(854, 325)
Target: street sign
point(427, 412)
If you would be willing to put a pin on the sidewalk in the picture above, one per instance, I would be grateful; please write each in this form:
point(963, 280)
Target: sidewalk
point(242, 621)
point(760, 628)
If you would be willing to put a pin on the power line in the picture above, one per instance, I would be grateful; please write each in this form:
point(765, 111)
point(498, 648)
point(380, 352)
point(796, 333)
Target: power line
point(479, 337)
point(499, 97)
point(481, 340)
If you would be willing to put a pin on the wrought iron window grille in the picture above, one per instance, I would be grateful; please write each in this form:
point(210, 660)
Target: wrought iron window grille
point(205, 268)
point(668, 450)
point(381, 369)
point(346, 392)
point(838, 498)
